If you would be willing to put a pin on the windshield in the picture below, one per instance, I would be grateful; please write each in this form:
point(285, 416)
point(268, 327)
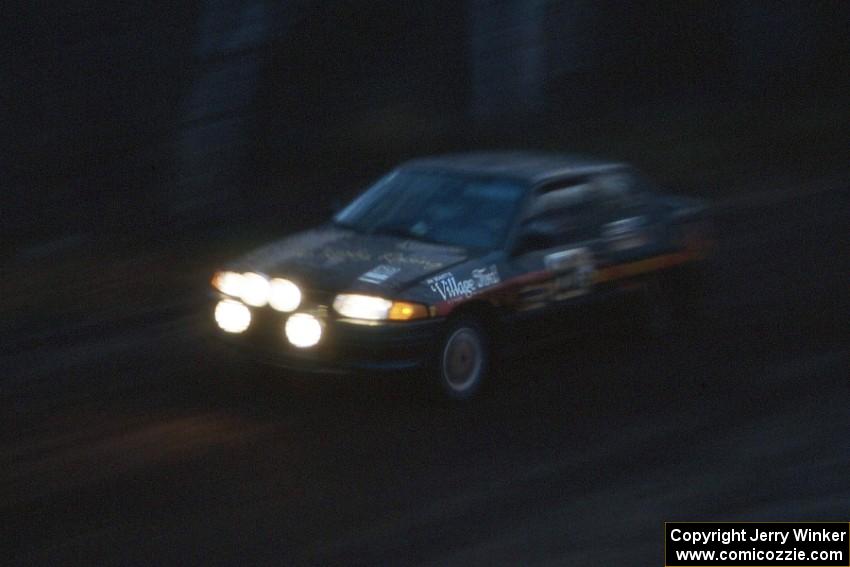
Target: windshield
point(436, 207)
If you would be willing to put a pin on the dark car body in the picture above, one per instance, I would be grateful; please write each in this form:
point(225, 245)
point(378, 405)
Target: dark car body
point(580, 230)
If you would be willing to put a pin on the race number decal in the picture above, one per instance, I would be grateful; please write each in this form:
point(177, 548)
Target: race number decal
point(573, 270)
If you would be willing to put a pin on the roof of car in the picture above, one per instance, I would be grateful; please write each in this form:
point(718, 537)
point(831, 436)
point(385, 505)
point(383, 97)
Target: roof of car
point(531, 167)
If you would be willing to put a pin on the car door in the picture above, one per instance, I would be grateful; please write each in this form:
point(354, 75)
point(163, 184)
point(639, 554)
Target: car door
point(630, 222)
point(558, 246)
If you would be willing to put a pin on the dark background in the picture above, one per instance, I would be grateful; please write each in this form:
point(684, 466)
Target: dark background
point(128, 117)
point(144, 145)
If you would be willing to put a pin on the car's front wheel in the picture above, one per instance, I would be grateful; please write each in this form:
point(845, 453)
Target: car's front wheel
point(463, 359)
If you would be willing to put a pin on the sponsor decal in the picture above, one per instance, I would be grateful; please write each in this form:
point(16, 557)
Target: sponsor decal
point(294, 247)
point(485, 277)
point(574, 271)
point(379, 274)
point(448, 287)
point(412, 260)
point(334, 256)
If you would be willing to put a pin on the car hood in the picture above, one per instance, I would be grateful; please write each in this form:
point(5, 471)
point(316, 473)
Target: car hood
point(336, 259)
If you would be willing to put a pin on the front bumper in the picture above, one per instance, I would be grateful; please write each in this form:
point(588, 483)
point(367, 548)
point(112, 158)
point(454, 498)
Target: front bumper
point(345, 346)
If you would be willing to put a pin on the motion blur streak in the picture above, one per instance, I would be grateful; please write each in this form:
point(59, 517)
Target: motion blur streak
point(145, 146)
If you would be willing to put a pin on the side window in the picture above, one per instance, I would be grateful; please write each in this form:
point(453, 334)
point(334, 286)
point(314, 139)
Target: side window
point(562, 199)
point(619, 194)
point(560, 214)
point(624, 209)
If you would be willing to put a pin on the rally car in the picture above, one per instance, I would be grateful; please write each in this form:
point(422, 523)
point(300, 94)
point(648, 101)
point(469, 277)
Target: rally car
point(438, 260)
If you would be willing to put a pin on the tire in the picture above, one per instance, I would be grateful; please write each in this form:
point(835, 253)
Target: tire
point(463, 359)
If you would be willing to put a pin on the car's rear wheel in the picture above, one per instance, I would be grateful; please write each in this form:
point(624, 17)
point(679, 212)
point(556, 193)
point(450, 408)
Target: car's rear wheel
point(463, 360)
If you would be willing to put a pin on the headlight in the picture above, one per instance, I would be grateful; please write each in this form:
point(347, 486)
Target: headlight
point(232, 316)
point(303, 330)
point(229, 283)
point(362, 306)
point(255, 289)
point(377, 308)
point(284, 295)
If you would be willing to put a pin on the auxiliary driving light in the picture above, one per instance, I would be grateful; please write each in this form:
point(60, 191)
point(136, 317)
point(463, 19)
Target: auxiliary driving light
point(255, 289)
point(232, 316)
point(229, 283)
point(284, 295)
point(303, 330)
